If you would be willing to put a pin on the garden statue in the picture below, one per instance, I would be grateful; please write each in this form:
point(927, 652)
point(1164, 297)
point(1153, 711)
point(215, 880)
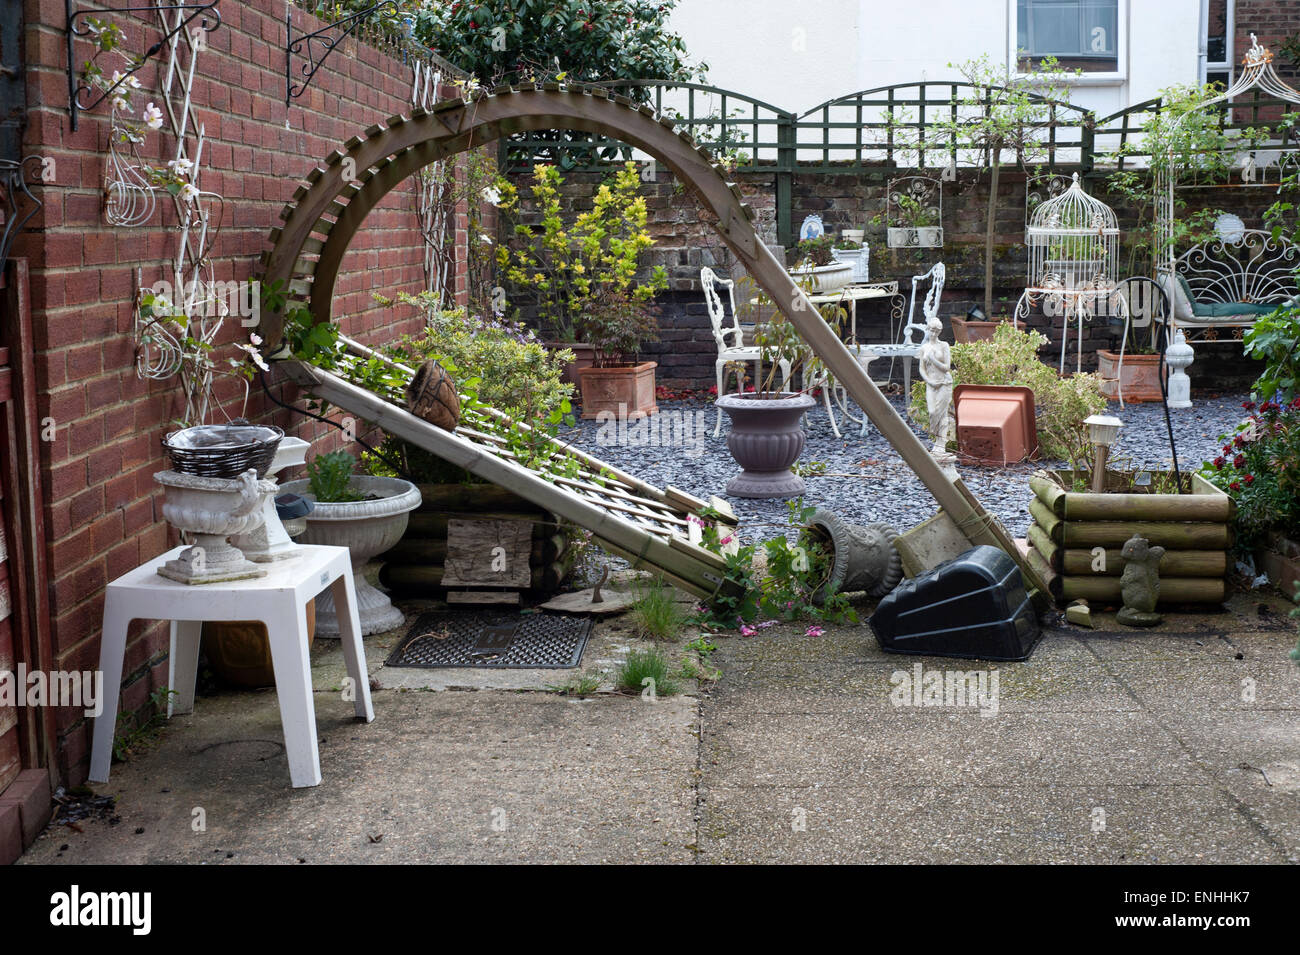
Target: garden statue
point(1140, 583)
point(935, 364)
point(1178, 356)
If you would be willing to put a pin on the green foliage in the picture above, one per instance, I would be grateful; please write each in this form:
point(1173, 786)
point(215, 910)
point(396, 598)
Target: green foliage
point(647, 670)
point(580, 685)
point(134, 730)
point(815, 252)
point(1202, 152)
point(330, 476)
point(1061, 404)
point(616, 326)
point(657, 614)
point(1259, 468)
point(506, 41)
point(1275, 339)
point(703, 648)
point(578, 273)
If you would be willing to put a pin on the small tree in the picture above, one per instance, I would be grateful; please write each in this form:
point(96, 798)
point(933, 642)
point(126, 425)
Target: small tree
point(1003, 113)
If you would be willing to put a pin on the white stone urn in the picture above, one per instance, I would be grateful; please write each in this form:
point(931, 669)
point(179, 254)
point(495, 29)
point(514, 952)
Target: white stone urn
point(1178, 356)
point(270, 541)
point(821, 279)
point(212, 509)
point(366, 528)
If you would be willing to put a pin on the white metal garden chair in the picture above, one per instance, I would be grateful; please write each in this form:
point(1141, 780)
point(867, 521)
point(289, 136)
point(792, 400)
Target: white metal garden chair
point(730, 337)
point(913, 332)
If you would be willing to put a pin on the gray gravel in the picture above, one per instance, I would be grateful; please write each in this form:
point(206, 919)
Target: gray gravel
point(866, 480)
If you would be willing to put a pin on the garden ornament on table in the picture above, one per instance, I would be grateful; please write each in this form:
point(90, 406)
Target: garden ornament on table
point(1140, 583)
point(934, 362)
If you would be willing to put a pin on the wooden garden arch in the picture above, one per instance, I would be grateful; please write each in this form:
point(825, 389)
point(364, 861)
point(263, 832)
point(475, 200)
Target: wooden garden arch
point(325, 213)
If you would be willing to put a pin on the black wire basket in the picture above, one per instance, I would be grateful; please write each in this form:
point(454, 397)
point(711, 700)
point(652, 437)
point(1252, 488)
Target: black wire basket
point(223, 451)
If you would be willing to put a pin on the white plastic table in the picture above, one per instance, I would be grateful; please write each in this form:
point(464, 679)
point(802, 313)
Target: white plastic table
point(279, 600)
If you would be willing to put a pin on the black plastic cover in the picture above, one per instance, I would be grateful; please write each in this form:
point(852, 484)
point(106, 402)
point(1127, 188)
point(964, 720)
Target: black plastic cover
point(974, 605)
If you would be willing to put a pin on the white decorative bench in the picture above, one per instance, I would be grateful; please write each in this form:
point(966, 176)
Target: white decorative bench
point(1227, 283)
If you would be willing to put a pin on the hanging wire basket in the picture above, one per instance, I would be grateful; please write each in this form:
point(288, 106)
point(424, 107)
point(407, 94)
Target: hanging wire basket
point(223, 450)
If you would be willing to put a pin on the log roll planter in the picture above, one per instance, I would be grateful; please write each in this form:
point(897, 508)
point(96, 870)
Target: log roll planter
point(414, 566)
point(1140, 376)
point(1069, 527)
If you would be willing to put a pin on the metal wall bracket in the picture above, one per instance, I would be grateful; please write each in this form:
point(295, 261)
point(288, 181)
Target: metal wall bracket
point(316, 46)
point(204, 10)
point(13, 185)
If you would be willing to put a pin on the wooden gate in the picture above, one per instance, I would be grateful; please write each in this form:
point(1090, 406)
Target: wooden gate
point(25, 732)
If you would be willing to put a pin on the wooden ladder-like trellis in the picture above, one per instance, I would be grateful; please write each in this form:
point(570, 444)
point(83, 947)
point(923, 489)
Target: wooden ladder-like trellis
point(626, 516)
point(325, 214)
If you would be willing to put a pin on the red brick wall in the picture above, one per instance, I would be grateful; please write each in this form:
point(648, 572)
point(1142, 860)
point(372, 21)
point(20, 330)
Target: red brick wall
point(102, 510)
point(1273, 22)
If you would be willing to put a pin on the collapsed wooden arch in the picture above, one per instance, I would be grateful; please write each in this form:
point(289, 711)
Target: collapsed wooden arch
point(325, 214)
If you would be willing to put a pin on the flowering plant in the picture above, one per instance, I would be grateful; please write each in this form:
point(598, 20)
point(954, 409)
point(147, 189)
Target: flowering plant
point(1259, 467)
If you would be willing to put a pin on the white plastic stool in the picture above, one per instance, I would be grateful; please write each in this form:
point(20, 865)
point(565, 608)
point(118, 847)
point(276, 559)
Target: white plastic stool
point(279, 600)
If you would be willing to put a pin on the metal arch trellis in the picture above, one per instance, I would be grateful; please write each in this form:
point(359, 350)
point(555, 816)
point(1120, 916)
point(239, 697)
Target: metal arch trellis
point(332, 206)
point(1257, 74)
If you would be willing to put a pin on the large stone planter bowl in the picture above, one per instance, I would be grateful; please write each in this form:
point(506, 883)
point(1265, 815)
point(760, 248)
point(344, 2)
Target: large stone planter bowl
point(821, 279)
point(766, 438)
point(366, 529)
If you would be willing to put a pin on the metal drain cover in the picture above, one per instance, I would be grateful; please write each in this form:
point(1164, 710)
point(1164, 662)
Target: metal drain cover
point(523, 641)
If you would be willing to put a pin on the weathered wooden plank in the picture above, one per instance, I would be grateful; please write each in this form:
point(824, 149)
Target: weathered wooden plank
point(487, 553)
point(1146, 507)
point(1170, 534)
point(1175, 563)
point(1049, 492)
point(1202, 590)
point(483, 597)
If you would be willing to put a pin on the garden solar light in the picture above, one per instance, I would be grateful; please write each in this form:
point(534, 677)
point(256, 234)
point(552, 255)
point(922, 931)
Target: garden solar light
point(1102, 432)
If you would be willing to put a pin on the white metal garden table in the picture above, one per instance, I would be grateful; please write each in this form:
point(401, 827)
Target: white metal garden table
point(279, 600)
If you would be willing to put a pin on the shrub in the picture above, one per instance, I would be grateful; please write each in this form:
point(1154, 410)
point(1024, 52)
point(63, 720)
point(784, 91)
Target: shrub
point(579, 269)
point(1275, 339)
point(644, 669)
point(1260, 469)
point(1061, 404)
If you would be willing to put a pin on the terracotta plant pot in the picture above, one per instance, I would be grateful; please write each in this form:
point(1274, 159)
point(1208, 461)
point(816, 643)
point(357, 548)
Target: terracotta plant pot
point(965, 331)
point(995, 423)
point(239, 651)
point(584, 356)
point(621, 390)
point(766, 437)
point(1141, 376)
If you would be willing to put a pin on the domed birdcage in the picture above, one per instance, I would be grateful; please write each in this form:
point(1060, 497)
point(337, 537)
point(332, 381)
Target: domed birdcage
point(1073, 272)
point(1073, 244)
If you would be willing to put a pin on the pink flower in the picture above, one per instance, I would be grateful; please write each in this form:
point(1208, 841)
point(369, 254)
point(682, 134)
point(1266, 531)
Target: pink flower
point(747, 631)
point(813, 632)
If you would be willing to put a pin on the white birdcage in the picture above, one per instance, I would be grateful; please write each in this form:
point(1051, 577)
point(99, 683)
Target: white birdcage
point(1073, 247)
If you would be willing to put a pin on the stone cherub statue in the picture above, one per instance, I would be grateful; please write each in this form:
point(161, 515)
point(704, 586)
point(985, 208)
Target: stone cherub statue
point(1140, 583)
point(934, 362)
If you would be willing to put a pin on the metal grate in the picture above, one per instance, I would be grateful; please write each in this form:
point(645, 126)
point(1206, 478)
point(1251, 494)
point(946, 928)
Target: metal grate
point(493, 640)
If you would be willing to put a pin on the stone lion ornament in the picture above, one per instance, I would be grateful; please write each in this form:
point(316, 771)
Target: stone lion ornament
point(431, 395)
point(1140, 583)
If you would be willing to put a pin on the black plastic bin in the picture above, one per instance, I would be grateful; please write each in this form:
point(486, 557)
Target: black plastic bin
point(974, 606)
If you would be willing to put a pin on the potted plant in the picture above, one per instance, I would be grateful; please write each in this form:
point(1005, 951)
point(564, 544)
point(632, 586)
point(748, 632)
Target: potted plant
point(767, 434)
point(816, 269)
point(568, 269)
point(616, 326)
point(364, 513)
point(918, 224)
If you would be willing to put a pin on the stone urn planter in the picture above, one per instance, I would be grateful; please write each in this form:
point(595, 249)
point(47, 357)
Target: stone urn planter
point(366, 528)
point(824, 278)
point(620, 390)
point(211, 510)
point(1138, 380)
point(766, 438)
point(862, 556)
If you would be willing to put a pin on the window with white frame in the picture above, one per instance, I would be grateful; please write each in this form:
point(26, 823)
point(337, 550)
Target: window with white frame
point(1217, 21)
point(1081, 34)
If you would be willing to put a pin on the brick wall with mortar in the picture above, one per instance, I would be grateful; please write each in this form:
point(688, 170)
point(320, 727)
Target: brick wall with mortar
point(686, 241)
point(102, 512)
